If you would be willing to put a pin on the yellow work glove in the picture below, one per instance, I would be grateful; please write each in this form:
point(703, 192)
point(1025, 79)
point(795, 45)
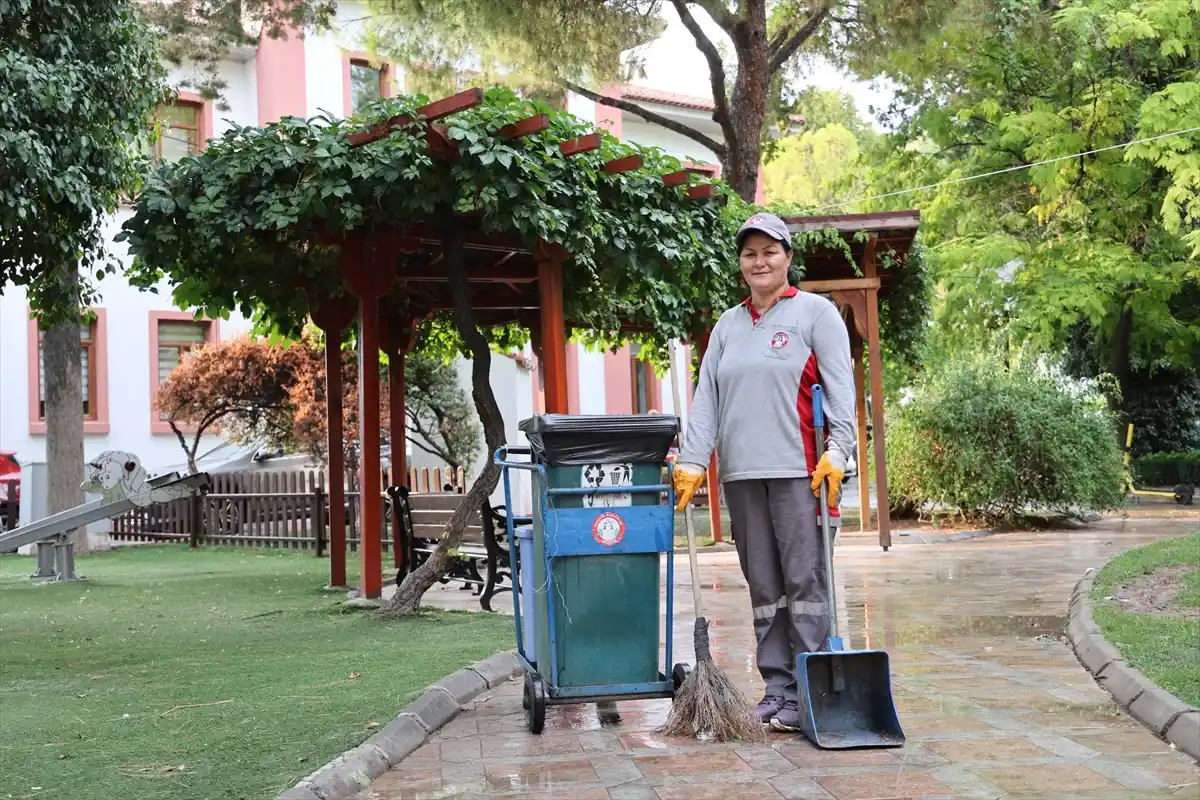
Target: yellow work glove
point(688, 478)
point(832, 466)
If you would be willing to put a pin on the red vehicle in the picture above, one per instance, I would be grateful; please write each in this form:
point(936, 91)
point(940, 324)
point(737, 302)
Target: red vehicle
point(10, 472)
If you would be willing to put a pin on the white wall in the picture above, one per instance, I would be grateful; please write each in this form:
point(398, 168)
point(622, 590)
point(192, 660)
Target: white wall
point(240, 93)
point(670, 142)
point(128, 355)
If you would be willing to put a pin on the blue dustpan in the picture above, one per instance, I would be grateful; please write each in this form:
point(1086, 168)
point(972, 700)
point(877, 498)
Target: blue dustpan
point(845, 696)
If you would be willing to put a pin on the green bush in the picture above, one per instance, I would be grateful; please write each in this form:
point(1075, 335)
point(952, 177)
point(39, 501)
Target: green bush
point(1167, 469)
point(994, 444)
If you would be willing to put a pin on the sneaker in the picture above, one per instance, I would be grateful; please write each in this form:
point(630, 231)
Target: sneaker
point(768, 707)
point(788, 717)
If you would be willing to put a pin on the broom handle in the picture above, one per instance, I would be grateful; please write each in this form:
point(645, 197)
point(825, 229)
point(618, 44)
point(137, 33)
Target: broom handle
point(827, 544)
point(688, 513)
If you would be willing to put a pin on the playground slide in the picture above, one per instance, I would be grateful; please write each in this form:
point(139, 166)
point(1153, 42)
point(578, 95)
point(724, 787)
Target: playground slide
point(123, 484)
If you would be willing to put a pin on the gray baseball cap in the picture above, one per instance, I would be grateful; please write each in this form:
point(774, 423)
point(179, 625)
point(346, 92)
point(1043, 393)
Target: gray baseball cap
point(769, 224)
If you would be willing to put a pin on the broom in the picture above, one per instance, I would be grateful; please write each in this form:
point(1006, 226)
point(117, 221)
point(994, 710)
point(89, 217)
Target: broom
point(707, 705)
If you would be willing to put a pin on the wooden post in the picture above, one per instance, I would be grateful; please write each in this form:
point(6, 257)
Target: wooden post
point(714, 479)
point(369, 268)
point(550, 260)
point(860, 414)
point(332, 315)
point(876, 356)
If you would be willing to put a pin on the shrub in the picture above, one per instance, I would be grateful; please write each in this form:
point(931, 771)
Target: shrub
point(1167, 469)
point(994, 444)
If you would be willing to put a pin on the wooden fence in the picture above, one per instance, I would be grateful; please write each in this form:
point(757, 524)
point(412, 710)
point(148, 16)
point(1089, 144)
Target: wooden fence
point(283, 510)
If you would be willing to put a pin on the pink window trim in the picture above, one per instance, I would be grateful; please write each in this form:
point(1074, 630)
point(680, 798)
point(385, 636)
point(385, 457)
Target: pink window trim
point(205, 115)
point(387, 78)
point(212, 334)
point(99, 425)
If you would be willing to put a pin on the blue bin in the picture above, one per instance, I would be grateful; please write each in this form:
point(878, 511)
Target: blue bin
point(524, 537)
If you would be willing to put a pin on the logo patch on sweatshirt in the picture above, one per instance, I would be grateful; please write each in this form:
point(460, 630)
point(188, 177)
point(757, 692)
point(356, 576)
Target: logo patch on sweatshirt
point(779, 340)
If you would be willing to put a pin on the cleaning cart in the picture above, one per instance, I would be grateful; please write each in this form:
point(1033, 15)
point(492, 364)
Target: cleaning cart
point(586, 570)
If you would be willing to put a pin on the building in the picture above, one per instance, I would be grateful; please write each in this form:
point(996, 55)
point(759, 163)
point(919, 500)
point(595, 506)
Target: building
point(137, 337)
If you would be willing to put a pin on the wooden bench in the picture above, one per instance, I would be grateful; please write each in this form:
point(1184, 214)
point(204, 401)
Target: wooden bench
point(484, 545)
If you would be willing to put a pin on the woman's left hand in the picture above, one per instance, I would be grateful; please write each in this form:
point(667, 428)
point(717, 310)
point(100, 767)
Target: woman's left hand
point(832, 466)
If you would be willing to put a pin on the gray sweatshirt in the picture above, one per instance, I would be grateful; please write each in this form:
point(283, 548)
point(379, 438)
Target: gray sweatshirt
point(754, 398)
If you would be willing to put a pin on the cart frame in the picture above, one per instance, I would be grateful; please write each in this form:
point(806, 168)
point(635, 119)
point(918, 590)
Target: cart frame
point(571, 540)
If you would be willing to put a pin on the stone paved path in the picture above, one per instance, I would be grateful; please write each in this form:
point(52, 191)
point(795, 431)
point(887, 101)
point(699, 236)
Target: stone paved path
point(992, 700)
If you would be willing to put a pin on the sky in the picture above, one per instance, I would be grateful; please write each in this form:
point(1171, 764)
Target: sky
point(673, 63)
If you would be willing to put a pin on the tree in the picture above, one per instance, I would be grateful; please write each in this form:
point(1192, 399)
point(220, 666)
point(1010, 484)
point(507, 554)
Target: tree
point(1106, 240)
point(64, 161)
point(812, 168)
point(548, 45)
point(441, 420)
point(240, 385)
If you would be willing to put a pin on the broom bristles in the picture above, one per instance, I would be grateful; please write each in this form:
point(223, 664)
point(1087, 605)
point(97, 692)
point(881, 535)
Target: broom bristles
point(709, 707)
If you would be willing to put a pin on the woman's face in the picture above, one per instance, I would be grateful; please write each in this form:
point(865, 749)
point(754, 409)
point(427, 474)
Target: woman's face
point(764, 263)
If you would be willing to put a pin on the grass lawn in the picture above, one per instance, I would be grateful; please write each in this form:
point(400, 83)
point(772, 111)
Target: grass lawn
point(174, 674)
point(1165, 648)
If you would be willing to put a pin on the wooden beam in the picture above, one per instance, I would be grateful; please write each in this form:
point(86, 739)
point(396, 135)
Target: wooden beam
point(875, 353)
point(526, 127)
point(860, 413)
point(701, 191)
point(553, 329)
point(626, 164)
point(438, 140)
point(840, 284)
point(581, 144)
point(852, 223)
point(500, 272)
point(676, 178)
point(434, 111)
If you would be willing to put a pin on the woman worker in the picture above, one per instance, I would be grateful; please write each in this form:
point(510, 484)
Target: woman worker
point(754, 404)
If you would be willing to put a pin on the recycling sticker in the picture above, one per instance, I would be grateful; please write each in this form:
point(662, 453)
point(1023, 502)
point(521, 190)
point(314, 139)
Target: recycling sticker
point(597, 476)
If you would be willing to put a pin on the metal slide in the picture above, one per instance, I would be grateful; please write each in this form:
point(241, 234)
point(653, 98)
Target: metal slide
point(124, 485)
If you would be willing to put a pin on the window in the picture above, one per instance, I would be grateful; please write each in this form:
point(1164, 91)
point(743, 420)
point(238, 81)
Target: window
point(366, 84)
point(175, 339)
point(180, 131)
point(87, 358)
point(642, 380)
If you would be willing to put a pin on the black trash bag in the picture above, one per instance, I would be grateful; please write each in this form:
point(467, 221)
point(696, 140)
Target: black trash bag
point(575, 440)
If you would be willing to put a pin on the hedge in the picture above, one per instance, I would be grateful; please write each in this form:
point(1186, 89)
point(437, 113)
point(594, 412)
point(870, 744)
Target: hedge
point(1167, 469)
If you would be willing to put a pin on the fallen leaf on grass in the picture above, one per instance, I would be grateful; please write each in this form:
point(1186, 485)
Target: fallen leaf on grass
point(355, 675)
point(153, 770)
point(371, 725)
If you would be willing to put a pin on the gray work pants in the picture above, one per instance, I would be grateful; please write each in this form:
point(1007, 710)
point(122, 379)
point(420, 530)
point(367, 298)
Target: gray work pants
point(779, 547)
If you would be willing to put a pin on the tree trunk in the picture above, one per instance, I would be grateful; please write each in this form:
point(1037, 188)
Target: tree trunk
point(407, 598)
point(747, 109)
point(1118, 364)
point(61, 365)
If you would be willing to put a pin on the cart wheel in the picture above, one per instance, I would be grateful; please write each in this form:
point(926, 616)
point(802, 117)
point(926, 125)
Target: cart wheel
point(679, 674)
point(534, 702)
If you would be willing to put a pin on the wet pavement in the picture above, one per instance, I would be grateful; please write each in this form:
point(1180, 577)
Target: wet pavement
point(991, 698)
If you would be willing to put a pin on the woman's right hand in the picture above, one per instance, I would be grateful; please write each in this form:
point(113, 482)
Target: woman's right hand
point(688, 478)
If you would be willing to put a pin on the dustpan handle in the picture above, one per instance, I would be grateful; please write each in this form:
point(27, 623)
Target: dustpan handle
point(826, 539)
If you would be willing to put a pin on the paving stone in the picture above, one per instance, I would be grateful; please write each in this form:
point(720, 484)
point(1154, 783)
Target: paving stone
point(464, 685)
point(498, 668)
point(399, 738)
point(1184, 733)
point(1122, 682)
point(1156, 708)
point(989, 708)
point(434, 708)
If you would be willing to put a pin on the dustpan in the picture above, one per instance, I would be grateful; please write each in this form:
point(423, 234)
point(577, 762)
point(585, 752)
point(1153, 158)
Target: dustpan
point(845, 696)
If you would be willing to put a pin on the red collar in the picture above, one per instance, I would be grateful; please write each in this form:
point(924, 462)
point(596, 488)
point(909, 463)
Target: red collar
point(790, 291)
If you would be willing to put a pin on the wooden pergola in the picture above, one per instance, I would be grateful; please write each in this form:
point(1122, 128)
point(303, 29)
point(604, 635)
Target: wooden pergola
point(395, 278)
point(856, 287)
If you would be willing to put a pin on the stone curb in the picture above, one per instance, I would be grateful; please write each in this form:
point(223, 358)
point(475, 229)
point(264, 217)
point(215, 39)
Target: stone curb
point(352, 771)
point(1169, 717)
